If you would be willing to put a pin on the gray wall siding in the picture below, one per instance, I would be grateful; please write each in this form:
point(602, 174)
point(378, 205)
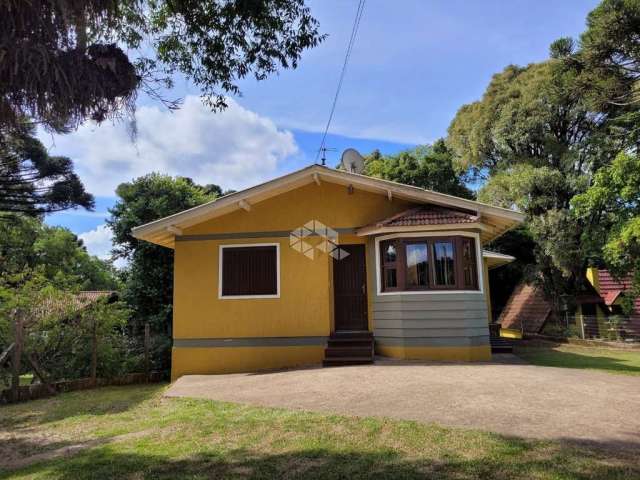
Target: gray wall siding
point(449, 319)
point(433, 319)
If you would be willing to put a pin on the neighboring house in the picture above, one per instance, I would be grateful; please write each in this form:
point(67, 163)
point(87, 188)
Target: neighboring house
point(612, 292)
point(269, 276)
point(73, 304)
point(529, 312)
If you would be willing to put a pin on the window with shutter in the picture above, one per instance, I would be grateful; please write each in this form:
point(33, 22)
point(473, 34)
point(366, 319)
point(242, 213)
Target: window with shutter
point(249, 271)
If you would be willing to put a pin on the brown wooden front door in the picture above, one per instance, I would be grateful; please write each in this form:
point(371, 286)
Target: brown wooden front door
point(350, 290)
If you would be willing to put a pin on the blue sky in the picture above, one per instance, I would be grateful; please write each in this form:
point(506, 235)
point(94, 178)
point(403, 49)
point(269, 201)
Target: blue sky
point(414, 64)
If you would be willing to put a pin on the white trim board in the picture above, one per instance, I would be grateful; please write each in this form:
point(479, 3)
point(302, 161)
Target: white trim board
point(239, 245)
point(479, 266)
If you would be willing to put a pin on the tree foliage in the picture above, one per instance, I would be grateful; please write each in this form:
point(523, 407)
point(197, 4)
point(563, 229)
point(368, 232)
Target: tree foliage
point(427, 167)
point(613, 200)
point(610, 51)
point(28, 245)
point(31, 181)
point(65, 61)
point(541, 132)
point(60, 334)
point(535, 115)
point(149, 279)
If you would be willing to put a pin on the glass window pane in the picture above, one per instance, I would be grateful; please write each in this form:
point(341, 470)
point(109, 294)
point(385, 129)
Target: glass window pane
point(390, 278)
point(444, 263)
point(390, 253)
point(417, 265)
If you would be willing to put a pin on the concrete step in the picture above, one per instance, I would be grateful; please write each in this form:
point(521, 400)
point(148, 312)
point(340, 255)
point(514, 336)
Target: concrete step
point(501, 345)
point(349, 342)
point(344, 361)
point(354, 334)
point(341, 352)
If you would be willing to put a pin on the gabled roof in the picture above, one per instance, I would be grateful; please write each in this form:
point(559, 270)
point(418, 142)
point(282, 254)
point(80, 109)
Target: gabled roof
point(526, 309)
point(497, 220)
point(70, 304)
point(611, 296)
point(610, 289)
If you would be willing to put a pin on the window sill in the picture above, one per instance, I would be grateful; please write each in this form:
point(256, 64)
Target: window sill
point(245, 297)
point(427, 292)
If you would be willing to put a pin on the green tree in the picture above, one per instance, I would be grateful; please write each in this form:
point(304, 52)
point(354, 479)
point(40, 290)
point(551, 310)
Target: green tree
point(535, 115)
point(59, 334)
point(610, 53)
point(27, 244)
point(613, 200)
point(149, 279)
point(537, 140)
point(428, 166)
point(65, 61)
point(31, 181)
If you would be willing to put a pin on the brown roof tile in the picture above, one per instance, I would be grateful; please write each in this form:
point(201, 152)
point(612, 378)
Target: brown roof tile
point(71, 303)
point(428, 215)
point(526, 309)
point(610, 288)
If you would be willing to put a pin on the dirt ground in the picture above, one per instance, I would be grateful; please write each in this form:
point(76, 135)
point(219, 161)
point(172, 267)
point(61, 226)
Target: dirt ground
point(504, 396)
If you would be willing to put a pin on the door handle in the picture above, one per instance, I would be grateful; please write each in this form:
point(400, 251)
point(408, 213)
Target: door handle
point(364, 288)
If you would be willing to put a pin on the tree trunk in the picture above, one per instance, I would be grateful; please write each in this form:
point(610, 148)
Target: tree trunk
point(94, 354)
point(18, 331)
point(147, 339)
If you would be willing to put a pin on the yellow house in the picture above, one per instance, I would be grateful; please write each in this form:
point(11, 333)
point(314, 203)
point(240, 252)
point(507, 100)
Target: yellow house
point(321, 265)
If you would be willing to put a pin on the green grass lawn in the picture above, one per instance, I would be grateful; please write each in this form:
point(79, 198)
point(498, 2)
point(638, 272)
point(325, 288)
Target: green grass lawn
point(135, 433)
point(625, 362)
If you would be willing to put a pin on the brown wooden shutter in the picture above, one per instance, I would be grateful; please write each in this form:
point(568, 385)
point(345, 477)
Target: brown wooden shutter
point(249, 270)
point(468, 261)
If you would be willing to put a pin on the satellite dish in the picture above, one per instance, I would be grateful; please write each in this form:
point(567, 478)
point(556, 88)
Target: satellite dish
point(352, 161)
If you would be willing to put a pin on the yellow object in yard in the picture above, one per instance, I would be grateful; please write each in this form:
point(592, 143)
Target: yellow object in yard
point(510, 333)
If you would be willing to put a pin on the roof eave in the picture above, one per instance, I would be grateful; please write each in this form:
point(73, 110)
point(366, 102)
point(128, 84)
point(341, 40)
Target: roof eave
point(162, 231)
point(380, 230)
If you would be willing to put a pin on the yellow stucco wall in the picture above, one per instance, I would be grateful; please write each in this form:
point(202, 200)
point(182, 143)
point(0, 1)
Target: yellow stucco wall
point(301, 310)
point(191, 361)
point(305, 305)
point(330, 203)
point(592, 276)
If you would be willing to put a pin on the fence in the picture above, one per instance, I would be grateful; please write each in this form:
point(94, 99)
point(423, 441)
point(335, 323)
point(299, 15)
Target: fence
point(611, 328)
point(132, 364)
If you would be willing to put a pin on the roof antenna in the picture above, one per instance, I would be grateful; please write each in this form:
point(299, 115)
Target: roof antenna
point(324, 151)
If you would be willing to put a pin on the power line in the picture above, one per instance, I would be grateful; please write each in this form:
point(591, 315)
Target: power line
point(352, 39)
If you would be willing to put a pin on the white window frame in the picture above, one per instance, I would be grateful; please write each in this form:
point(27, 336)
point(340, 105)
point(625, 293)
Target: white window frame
point(241, 245)
point(446, 233)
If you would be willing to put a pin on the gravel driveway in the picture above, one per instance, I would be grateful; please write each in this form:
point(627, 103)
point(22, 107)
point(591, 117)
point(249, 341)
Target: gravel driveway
point(509, 397)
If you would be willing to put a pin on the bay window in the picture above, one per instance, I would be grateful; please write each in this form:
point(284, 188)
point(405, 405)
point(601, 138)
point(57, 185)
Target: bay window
point(431, 263)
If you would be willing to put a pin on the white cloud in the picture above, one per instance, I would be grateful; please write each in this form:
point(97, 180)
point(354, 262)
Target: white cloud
point(235, 148)
point(99, 243)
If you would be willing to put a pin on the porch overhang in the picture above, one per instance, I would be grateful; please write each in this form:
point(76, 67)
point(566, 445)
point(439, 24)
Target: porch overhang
point(496, 259)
